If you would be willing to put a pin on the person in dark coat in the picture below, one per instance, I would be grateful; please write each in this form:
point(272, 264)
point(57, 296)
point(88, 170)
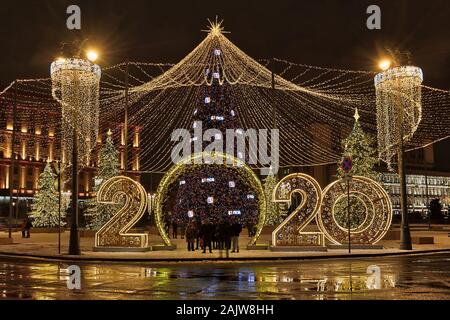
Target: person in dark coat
point(174, 229)
point(207, 231)
point(198, 224)
point(22, 226)
point(28, 226)
point(183, 229)
point(191, 235)
point(227, 233)
point(236, 229)
point(217, 237)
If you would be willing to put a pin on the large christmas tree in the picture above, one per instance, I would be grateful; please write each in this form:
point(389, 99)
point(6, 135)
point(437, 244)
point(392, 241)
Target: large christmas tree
point(97, 214)
point(46, 201)
point(359, 146)
point(215, 193)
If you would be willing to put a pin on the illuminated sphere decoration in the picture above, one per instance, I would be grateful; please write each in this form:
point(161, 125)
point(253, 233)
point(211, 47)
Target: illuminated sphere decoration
point(188, 164)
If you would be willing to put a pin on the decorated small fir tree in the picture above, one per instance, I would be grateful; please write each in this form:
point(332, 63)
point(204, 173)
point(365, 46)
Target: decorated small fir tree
point(359, 146)
point(46, 201)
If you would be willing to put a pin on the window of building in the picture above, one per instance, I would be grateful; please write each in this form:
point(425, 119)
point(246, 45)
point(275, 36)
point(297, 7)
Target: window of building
point(30, 171)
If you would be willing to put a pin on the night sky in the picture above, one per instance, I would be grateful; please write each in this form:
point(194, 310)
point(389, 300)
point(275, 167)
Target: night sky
point(329, 33)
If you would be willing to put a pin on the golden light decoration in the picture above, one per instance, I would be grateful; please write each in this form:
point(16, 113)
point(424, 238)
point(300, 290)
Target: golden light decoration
point(131, 197)
point(399, 107)
point(75, 85)
point(178, 169)
point(377, 216)
point(312, 104)
point(290, 231)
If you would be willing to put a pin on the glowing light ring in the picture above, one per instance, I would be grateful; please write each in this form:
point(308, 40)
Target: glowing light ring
point(114, 233)
point(289, 232)
point(177, 170)
point(394, 73)
point(75, 65)
point(375, 198)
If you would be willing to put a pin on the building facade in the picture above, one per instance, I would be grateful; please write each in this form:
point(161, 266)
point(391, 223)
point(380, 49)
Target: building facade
point(35, 144)
point(424, 182)
point(421, 189)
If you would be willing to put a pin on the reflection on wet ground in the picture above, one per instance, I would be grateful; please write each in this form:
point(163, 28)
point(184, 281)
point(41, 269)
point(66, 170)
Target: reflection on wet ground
point(401, 277)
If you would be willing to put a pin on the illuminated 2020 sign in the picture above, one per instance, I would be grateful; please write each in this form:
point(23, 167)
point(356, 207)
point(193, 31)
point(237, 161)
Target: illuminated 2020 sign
point(370, 211)
point(370, 219)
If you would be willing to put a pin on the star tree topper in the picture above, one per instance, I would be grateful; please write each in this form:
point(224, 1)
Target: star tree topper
point(215, 28)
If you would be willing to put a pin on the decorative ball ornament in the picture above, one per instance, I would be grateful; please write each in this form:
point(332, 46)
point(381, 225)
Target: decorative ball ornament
point(368, 196)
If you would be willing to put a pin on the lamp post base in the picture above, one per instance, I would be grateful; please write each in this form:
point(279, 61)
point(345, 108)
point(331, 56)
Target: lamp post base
point(74, 244)
point(406, 243)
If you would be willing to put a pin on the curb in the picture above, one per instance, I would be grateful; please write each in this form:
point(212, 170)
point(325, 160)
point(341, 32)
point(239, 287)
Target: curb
point(65, 258)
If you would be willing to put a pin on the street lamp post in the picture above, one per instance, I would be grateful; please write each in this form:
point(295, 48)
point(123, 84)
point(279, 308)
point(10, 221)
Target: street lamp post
point(59, 206)
point(58, 168)
point(74, 242)
point(125, 120)
point(427, 203)
point(75, 84)
point(398, 99)
point(11, 171)
point(406, 243)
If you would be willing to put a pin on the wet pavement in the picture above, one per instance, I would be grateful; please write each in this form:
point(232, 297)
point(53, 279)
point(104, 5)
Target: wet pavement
point(394, 277)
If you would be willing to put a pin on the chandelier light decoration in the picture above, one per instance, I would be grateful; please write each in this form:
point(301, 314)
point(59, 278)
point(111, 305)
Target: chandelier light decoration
point(399, 107)
point(75, 85)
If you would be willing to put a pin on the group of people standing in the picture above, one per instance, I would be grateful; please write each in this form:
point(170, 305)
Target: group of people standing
point(205, 235)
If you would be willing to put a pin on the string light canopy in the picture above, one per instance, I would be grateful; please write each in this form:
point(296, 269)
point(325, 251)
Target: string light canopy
point(311, 106)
